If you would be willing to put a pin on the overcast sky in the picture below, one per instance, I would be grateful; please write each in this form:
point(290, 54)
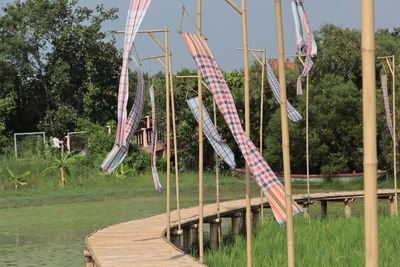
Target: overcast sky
point(222, 25)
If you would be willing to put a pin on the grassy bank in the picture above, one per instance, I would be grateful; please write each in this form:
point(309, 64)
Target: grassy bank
point(88, 183)
point(333, 242)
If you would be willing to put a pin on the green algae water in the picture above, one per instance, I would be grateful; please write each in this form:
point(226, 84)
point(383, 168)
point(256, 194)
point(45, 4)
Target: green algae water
point(53, 235)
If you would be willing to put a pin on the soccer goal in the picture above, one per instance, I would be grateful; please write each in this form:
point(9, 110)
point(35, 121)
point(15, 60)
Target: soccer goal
point(77, 141)
point(28, 145)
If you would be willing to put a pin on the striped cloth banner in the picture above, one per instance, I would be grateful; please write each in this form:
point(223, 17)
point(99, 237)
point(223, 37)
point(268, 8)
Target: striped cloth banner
point(386, 102)
point(260, 169)
point(127, 125)
point(156, 179)
point(293, 114)
point(119, 152)
point(305, 42)
point(222, 149)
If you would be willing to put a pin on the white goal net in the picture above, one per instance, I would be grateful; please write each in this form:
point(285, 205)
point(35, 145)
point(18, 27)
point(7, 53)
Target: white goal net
point(29, 145)
point(77, 141)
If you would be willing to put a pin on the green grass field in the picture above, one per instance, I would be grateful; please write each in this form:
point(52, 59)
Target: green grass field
point(333, 242)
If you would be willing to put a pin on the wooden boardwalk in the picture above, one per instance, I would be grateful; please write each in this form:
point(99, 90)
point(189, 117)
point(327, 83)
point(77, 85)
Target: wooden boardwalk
point(143, 243)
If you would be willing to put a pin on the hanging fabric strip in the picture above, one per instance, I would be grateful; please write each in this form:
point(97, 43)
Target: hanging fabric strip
point(119, 152)
point(386, 102)
point(156, 180)
point(127, 125)
point(293, 114)
point(305, 42)
point(136, 13)
point(222, 149)
point(260, 169)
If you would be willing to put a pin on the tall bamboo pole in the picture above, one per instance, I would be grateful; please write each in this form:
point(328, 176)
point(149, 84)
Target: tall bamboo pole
point(285, 133)
point(175, 142)
point(369, 132)
point(200, 104)
point(217, 178)
point(247, 128)
point(307, 148)
point(168, 136)
point(264, 55)
point(394, 135)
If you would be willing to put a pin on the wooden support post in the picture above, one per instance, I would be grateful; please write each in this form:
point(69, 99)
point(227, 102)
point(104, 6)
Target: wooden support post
point(393, 206)
point(194, 229)
point(306, 207)
point(347, 206)
point(176, 237)
point(236, 226)
point(186, 239)
point(243, 222)
point(324, 208)
point(214, 226)
point(88, 258)
point(256, 217)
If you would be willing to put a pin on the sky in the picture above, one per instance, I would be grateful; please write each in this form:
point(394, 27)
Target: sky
point(222, 26)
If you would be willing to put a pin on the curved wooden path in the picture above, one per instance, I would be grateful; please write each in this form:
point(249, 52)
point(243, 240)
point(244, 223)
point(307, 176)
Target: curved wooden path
point(143, 243)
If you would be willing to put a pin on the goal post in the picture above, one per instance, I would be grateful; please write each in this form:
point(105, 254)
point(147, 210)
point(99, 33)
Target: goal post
point(77, 140)
point(30, 142)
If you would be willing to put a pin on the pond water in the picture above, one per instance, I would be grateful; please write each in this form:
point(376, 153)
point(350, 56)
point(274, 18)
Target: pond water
point(53, 235)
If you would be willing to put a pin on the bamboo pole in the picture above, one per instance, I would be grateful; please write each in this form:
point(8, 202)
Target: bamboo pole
point(307, 214)
point(217, 178)
point(264, 59)
point(307, 148)
point(369, 132)
point(153, 57)
point(394, 135)
point(200, 104)
point(168, 126)
point(243, 13)
point(392, 70)
point(247, 128)
point(285, 133)
point(175, 142)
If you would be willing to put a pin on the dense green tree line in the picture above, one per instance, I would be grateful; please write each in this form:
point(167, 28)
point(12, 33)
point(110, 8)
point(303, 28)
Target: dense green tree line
point(60, 72)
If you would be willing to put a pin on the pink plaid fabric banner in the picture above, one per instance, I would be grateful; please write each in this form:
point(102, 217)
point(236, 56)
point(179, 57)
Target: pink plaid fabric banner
point(386, 102)
point(127, 125)
point(156, 179)
point(305, 42)
point(119, 152)
point(260, 169)
point(136, 13)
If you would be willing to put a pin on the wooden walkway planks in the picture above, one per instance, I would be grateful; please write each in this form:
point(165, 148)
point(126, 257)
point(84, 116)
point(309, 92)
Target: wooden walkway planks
point(142, 243)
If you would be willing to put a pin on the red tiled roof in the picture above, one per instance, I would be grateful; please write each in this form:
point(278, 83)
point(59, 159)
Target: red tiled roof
point(288, 64)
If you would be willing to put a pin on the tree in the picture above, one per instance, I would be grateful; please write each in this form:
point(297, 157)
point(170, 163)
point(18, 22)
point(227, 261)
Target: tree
point(57, 56)
point(60, 163)
point(16, 179)
point(335, 130)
